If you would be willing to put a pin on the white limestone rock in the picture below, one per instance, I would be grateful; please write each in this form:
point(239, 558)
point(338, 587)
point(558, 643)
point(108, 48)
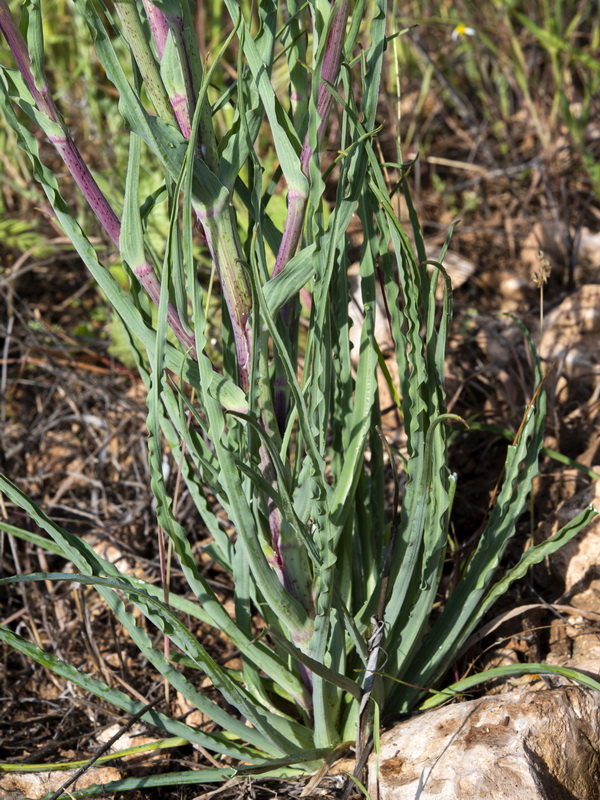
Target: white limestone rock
point(521, 746)
point(577, 562)
point(570, 335)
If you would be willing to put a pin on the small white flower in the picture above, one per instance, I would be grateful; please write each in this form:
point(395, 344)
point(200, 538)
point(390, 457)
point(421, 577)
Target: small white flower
point(461, 31)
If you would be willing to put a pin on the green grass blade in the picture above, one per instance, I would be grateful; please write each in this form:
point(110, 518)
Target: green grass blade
point(366, 386)
point(149, 747)
point(115, 697)
point(458, 688)
point(285, 138)
point(536, 554)
point(86, 561)
point(282, 734)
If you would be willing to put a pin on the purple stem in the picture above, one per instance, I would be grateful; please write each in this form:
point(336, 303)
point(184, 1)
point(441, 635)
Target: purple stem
point(218, 225)
point(221, 237)
point(292, 229)
point(71, 156)
point(183, 103)
point(179, 104)
point(159, 26)
point(18, 48)
point(297, 202)
point(294, 220)
point(219, 230)
point(82, 176)
point(329, 73)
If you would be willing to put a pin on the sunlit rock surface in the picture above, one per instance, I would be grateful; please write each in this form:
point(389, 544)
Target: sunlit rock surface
point(522, 746)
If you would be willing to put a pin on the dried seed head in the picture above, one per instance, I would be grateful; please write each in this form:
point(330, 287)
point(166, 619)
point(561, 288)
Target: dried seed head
point(540, 276)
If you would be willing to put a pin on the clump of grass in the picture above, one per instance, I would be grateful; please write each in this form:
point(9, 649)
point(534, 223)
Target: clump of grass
point(334, 591)
point(505, 67)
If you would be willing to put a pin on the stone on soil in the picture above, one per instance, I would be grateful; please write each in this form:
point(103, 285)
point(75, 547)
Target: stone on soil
point(524, 746)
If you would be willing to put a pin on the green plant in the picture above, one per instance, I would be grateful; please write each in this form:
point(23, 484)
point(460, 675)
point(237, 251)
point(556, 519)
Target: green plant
point(334, 593)
point(507, 63)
